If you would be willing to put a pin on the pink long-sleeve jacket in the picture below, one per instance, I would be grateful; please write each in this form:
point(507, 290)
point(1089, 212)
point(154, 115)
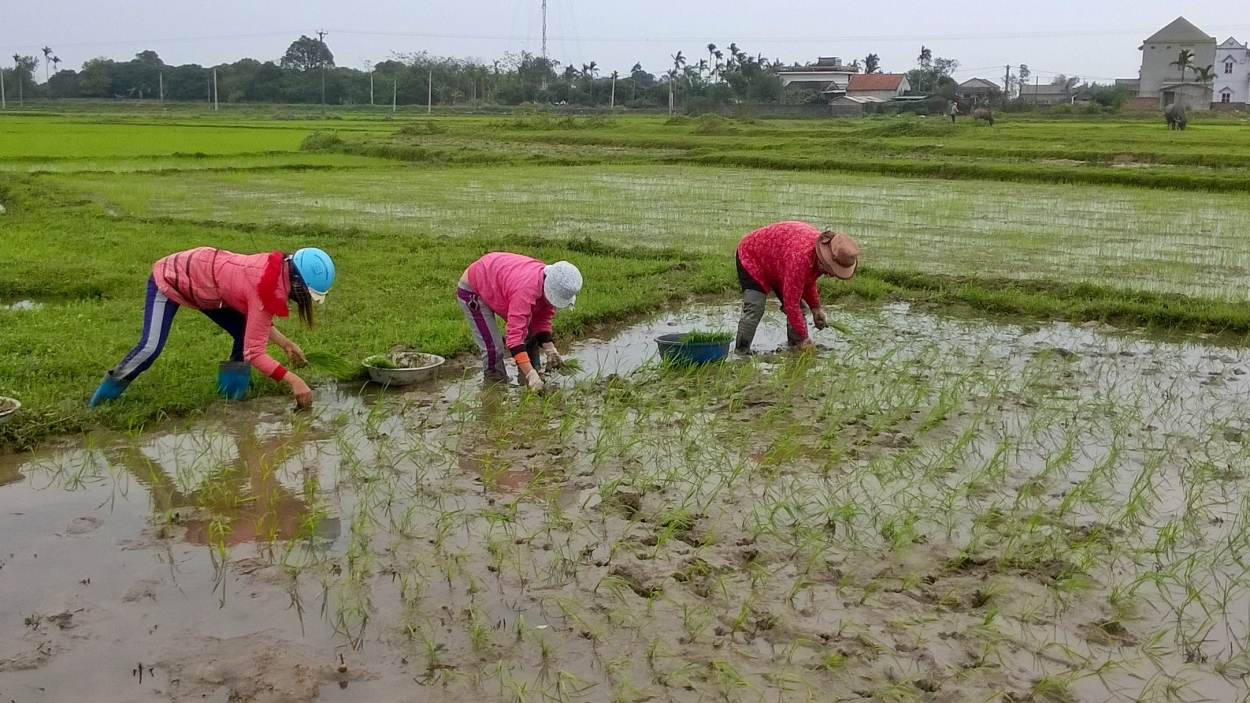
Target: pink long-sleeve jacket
point(782, 258)
point(512, 286)
point(256, 285)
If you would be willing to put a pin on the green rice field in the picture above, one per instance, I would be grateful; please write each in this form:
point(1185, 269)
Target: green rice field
point(1012, 470)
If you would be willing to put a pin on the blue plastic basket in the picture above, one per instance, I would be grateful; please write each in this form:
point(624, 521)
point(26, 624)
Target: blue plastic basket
point(675, 351)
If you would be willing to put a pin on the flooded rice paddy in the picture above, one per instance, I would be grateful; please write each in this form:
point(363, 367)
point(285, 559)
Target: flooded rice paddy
point(931, 508)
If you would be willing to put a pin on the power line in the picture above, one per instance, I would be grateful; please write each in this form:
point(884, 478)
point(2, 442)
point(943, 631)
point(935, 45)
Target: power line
point(856, 38)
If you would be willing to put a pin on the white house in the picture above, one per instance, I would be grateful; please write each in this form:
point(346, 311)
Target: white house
point(1162, 80)
point(827, 75)
point(883, 86)
point(1232, 75)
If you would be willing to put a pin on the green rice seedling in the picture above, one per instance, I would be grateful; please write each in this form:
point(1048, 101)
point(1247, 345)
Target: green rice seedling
point(706, 337)
point(334, 365)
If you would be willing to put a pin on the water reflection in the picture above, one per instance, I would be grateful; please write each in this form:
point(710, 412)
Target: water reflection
point(241, 498)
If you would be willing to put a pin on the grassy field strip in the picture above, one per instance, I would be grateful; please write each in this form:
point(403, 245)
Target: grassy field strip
point(1186, 243)
point(183, 162)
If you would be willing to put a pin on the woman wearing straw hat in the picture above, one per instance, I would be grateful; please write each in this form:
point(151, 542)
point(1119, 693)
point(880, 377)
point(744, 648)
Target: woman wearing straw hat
point(786, 258)
point(525, 292)
point(241, 294)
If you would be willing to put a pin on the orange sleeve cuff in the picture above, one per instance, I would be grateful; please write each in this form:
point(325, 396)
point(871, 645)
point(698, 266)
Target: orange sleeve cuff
point(522, 358)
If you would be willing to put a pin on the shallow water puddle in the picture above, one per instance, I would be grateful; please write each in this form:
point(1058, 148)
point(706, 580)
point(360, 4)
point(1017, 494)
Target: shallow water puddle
point(930, 509)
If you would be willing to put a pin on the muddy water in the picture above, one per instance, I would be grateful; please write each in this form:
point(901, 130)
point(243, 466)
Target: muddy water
point(458, 540)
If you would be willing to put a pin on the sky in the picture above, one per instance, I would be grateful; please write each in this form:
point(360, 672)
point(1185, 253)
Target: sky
point(1095, 39)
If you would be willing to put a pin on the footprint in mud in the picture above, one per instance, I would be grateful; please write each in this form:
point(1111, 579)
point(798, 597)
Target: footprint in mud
point(141, 589)
point(255, 667)
point(83, 526)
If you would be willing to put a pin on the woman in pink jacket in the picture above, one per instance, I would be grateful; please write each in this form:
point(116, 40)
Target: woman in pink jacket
point(526, 293)
point(242, 294)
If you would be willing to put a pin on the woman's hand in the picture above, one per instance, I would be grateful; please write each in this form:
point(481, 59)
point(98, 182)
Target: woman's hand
point(533, 380)
point(295, 354)
point(552, 357)
point(820, 318)
point(291, 349)
point(807, 346)
point(303, 394)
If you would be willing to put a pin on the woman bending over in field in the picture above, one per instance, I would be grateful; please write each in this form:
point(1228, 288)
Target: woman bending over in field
point(787, 258)
point(242, 294)
point(525, 292)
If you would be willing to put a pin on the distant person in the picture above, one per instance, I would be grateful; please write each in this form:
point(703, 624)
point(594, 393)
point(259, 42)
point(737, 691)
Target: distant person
point(525, 292)
point(787, 258)
point(952, 110)
point(242, 294)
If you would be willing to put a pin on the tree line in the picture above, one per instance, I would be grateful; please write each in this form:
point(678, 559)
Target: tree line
point(307, 74)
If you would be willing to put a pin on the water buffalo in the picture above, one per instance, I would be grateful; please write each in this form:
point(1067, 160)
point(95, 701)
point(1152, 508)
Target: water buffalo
point(983, 114)
point(1176, 117)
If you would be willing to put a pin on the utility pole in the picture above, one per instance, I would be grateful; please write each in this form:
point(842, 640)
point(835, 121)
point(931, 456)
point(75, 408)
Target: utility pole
point(613, 106)
point(544, 66)
point(394, 93)
point(161, 76)
point(215, 104)
point(429, 104)
point(321, 59)
point(4, 101)
point(1007, 82)
point(369, 68)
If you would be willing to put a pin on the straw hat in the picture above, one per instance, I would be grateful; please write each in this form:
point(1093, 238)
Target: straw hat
point(837, 254)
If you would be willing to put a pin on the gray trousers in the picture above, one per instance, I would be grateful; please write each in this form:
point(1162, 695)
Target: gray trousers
point(753, 303)
point(485, 331)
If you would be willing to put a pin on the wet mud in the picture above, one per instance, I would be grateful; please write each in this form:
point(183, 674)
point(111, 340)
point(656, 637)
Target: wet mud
point(930, 508)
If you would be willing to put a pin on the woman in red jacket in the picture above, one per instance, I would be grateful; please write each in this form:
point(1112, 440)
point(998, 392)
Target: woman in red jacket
point(786, 259)
point(242, 294)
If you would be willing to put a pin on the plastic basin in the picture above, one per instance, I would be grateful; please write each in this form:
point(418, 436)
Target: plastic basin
point(419, 368)
point(675, 351)
point(8, 409)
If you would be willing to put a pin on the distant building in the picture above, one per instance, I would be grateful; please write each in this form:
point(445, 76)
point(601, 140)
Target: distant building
point(828, 76)
point(1046, 94)
point(1232, 76)
point(977, 90)
point(852, 105)
point(884, 86)
point(1083, 96)
point(1162, 80)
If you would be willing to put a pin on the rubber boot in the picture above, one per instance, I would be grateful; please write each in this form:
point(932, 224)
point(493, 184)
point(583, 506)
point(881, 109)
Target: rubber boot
point(233, 379)
point(109, 389)
point(752, 312)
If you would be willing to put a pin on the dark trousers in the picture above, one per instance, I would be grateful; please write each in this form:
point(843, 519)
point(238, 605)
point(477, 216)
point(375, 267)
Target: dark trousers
point(753, 302)
point(158, 317)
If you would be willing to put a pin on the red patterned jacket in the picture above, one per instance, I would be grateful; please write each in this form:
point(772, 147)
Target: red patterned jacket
point(782, 258)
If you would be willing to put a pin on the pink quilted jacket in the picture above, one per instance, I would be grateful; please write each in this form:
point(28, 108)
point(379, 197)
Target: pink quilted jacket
point(256, 285)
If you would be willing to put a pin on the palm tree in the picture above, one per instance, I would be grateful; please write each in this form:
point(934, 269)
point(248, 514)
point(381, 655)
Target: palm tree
point(1204, 75)
point(711, 57)
point(926, 57)
point(1184, 62)
point(47, 63)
